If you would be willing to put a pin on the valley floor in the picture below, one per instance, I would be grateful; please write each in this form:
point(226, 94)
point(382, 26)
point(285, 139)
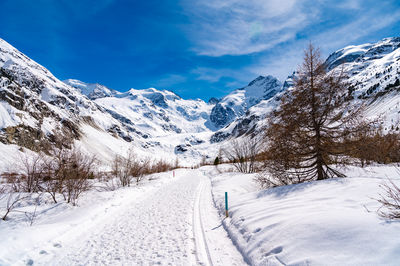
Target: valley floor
point(180, 221)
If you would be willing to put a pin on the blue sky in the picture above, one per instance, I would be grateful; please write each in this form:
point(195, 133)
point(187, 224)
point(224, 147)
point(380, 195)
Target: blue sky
point(196, 48)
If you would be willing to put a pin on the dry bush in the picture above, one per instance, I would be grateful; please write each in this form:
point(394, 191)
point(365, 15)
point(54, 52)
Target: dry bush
point(390, 201)
point(66, 172)
point(161, 166)
point(2, 191)
point(109, 183)
point(243, 154)
point(140, 168)
point(130, 167)
point(63, 171)
point(74, 172)
point(377, 147)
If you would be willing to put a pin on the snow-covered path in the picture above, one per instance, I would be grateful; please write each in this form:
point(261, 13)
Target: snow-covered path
point(174, 225)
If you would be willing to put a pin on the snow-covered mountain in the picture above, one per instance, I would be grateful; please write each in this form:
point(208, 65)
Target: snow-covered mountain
point(236, 103)
point(373, 72)
point(91, 90)
point(36, 108)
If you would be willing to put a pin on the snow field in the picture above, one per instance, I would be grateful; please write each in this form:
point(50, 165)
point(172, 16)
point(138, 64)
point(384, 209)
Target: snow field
point(330, 222)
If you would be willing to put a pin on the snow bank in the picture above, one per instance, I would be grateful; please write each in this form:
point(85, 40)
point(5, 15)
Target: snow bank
point(317, 223)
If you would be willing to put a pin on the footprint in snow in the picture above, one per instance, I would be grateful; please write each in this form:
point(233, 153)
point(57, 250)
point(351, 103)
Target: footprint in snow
point(257, 230)
point(57, 245)
point(275, 251)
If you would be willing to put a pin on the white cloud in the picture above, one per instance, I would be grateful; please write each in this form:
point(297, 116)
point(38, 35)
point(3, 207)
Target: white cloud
point(239, 27)
point(216, 74)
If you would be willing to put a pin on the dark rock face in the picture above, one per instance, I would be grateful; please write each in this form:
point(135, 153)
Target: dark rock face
point(158, 99)
point(213, 101)
point(219, 136)
point(245, 125)
point(221, 115)
point(181, 148)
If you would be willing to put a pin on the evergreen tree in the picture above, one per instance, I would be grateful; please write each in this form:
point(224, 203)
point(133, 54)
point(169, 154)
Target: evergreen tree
point(307, 133)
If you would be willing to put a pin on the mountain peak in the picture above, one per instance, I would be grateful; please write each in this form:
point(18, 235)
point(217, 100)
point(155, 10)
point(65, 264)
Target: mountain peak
point(91, 90)
point(262, 88)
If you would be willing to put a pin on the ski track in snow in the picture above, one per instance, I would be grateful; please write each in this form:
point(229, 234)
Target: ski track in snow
point(174, 225)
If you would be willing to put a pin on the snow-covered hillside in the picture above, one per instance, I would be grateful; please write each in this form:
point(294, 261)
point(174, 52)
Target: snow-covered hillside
point(374, 75)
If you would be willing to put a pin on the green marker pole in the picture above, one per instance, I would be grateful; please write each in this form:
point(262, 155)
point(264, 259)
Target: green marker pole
point(226, 205)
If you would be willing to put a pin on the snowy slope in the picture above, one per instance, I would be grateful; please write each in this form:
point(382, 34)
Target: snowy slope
point(36, 107)
point(332, 222)
point(374, 75)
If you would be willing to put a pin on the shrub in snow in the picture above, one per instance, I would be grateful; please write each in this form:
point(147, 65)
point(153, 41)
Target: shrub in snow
point(216, 161)
point(12, 202)
point(390, 201)
point(132, 167)
point(65, 171)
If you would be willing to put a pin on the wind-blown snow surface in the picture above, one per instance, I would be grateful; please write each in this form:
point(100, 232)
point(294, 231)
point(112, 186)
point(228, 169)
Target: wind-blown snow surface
point(330, 222)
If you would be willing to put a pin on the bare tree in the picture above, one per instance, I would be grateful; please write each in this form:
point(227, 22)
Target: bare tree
point(306, 134)
point(31, 172)
point(243, 154)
